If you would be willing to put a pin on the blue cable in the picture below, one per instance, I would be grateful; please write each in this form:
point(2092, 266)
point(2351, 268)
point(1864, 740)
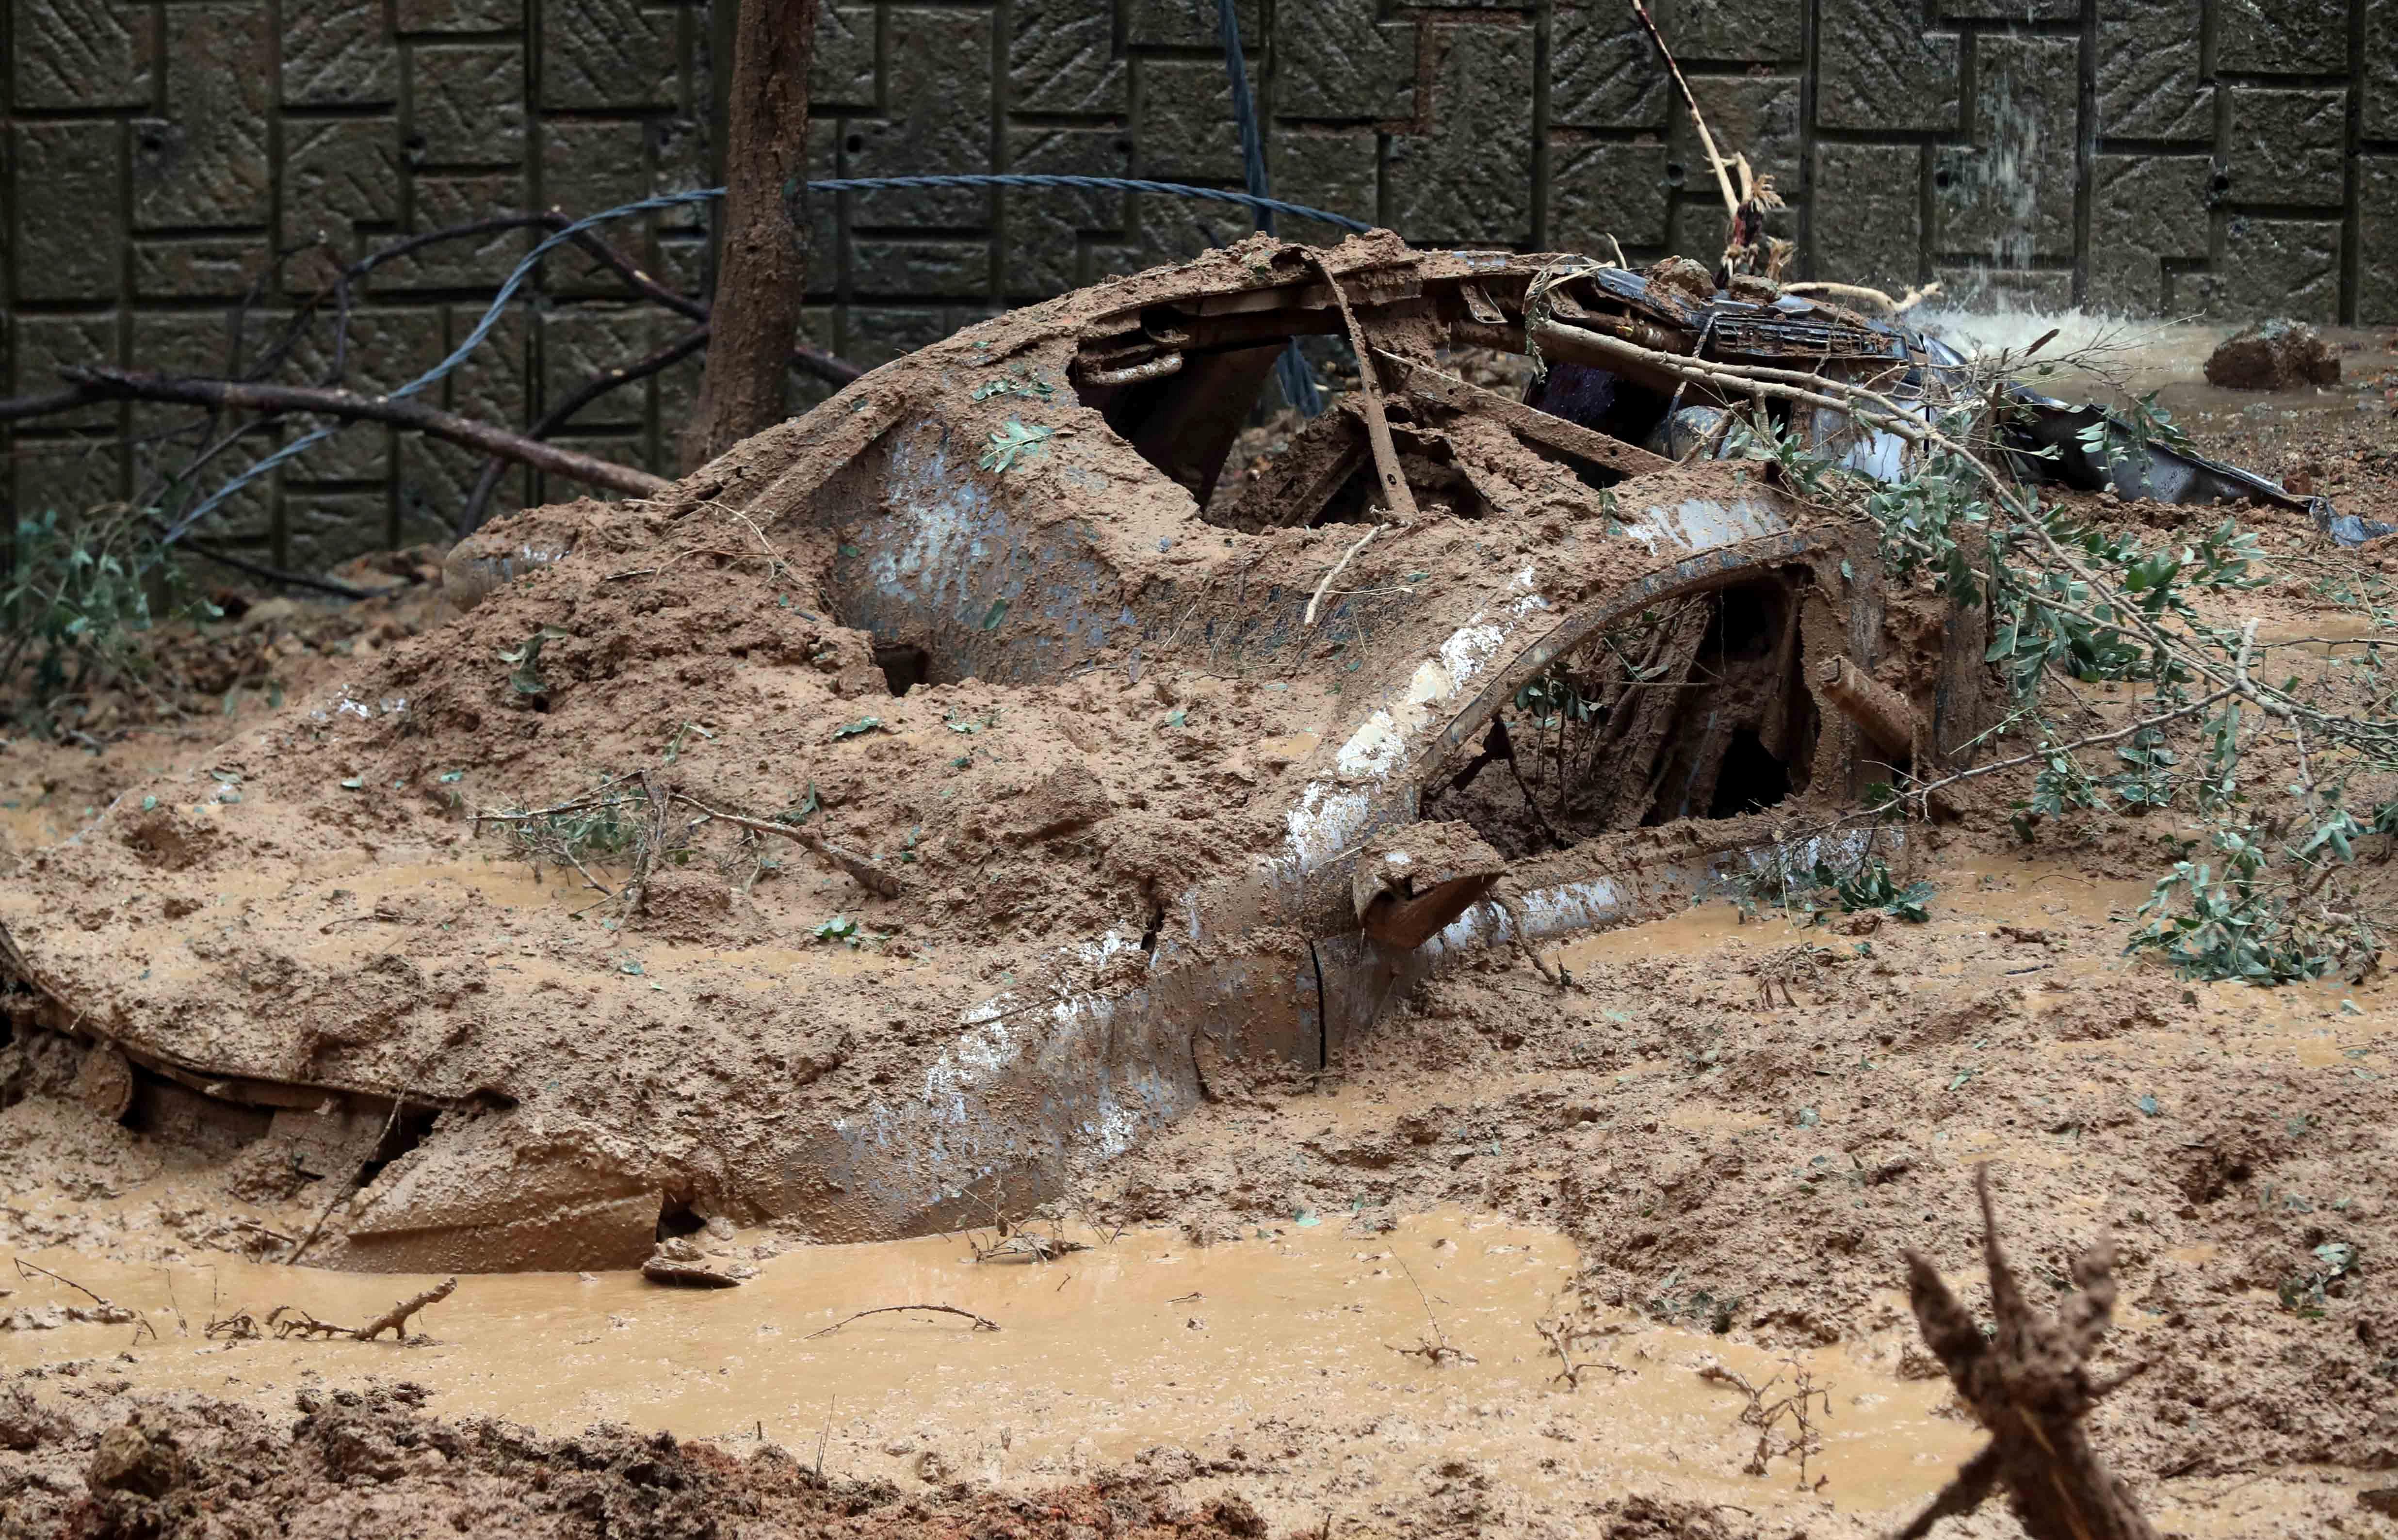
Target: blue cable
point(1291, 370)
point(524, 270)
point(1098, 184)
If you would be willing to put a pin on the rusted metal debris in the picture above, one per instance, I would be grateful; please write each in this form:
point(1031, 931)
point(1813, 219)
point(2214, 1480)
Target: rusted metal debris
point(1588, 671)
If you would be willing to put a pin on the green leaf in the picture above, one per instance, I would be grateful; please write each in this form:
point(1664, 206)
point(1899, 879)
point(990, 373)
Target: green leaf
point(356, 783)
point(1013, 444)
point(839, 928)
point(996, 613)
point(2147, 1104)
point(451, 777)
point(630, 965)
point(864, 724)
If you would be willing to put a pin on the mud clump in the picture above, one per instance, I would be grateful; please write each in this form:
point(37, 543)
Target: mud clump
point(2273, 355)
point(112, 1467)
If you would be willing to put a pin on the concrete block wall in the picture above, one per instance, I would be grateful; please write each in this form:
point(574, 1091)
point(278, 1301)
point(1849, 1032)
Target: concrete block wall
point(2222, 157)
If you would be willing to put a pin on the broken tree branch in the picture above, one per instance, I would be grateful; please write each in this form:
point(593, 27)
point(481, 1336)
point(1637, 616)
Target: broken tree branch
point(1706, 141)
point(2030, 1386)
point(1879, 298)
point(396, 1319)
point(399, 412)
point(1424, 383)
point(272, 575)
point(290, 1321)
point(981, 1323)
point(470, 518)
point(15, 409)
point(869, 875)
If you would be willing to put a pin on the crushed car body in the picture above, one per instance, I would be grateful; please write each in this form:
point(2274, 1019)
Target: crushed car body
point(943, 790)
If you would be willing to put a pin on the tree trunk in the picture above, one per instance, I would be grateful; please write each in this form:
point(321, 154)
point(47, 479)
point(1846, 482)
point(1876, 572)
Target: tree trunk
point(762, 270)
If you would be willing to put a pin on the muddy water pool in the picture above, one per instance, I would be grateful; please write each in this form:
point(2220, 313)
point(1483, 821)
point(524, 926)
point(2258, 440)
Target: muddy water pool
point(1280, 1351)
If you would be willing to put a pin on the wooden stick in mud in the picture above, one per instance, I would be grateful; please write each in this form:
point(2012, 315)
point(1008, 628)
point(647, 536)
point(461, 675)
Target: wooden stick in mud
point(2030, 1386)
point(980, 1323)
point(25, 1267)
point(303, 1325)
point(396, 1319)
point(357, 1181)
point(870, 876)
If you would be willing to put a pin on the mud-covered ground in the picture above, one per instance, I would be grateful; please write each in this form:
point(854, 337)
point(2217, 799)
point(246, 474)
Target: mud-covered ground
point(1738, 1123)
point(98, 1463)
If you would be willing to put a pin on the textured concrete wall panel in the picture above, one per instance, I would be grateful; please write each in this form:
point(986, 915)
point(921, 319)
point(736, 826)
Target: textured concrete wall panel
point(2240, 157)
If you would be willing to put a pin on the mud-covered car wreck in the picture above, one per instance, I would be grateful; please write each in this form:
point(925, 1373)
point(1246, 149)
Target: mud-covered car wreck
point(942, 790)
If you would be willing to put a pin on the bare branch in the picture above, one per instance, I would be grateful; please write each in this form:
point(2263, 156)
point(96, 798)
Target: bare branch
point(470, 518)
point(980, 1323)
point(399, 412)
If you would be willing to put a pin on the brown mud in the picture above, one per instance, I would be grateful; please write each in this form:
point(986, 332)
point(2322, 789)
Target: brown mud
point(1713, 1148)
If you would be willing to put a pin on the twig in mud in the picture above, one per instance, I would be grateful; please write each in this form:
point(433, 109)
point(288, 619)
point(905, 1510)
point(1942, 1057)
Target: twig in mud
point(869, 874)
point(1113, 1233)
point(823, 1434)
point(1318, 597)
point(1025, 1246)
point(1798, 1407)
point(182, 1326)
point(1560, 1338)
point(1439, 1350)
point(396, 1319)
point(980, 1323)
point(357, 1181)
point(303, 1325)
point(776, 566)
point(291, 1322)
point(241, 1326)
point(2030, 1386)
point(26, 1269)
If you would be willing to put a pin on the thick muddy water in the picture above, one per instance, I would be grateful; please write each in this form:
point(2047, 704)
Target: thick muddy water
point(1140, 1341)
